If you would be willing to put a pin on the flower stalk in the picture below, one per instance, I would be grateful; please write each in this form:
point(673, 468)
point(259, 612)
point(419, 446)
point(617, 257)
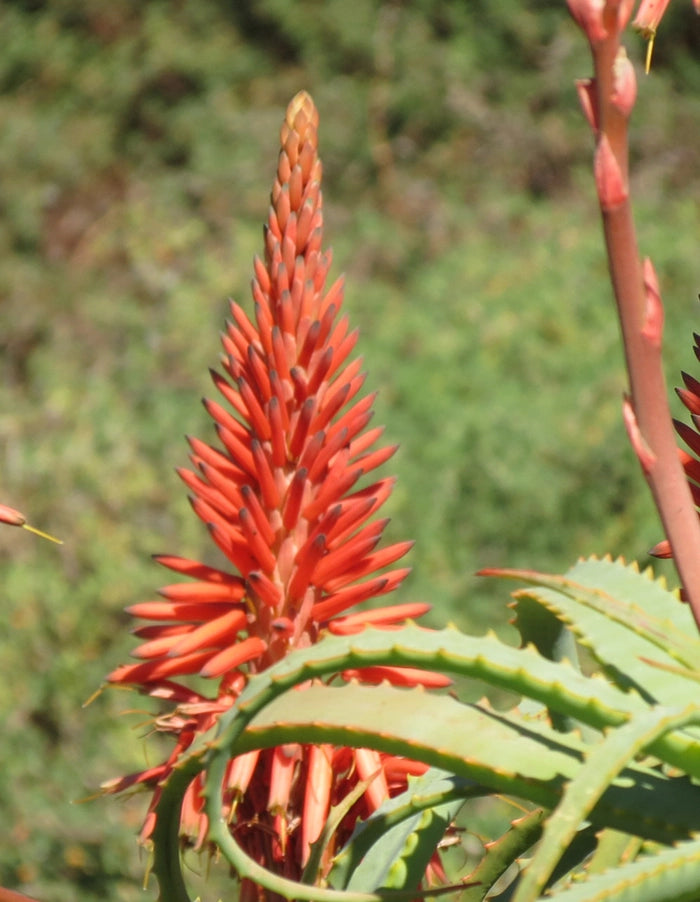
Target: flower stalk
point(608, 100)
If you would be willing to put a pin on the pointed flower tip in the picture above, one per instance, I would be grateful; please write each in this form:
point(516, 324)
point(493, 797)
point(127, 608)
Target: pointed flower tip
point(302, 118)
point(13, 517)
point(302, 105)
point(661, 549)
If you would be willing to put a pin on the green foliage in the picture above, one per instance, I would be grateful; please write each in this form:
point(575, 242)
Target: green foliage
point(393, 847)
point(631, 777)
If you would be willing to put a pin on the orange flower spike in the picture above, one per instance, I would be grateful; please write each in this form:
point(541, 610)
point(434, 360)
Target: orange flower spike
point(278, 497)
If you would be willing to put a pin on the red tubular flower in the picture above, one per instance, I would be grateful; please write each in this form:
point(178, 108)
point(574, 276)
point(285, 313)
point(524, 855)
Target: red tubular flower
point(280, 499)
point(11, 516)
point(649, 15)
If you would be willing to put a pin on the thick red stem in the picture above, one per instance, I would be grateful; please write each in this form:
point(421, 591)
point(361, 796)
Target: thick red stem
point(639, 313)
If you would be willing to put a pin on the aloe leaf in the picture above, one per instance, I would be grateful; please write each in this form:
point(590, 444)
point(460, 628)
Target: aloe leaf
point(434, 788)
point(312, 870)
point(553, 640)
point(593, 701)
point(613, 849)
point(602, 765)
point(672, 875)
point(399, 858)
point(167, 865)
point(667, 619)
point(366, 859)
point(247, 867)
point(501, 853)
point(621, 630)
point(529, 760)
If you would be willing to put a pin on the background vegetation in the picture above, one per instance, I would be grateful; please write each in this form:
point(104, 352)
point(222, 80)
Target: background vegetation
point(138, 143)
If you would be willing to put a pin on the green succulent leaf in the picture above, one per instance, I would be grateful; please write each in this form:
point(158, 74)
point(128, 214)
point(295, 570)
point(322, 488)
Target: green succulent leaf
point(634, 706)
point(672, 875)
point(385, 836)
point(505, 754)
point(626, 619)
point(602, 765)
point(500, 854)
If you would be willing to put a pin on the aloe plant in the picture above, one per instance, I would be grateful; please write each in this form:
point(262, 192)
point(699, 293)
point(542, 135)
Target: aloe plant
point(627, 768)
point(348, 716)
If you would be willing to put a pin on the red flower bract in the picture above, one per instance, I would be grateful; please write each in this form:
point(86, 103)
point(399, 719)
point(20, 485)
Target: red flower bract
point(280, 499)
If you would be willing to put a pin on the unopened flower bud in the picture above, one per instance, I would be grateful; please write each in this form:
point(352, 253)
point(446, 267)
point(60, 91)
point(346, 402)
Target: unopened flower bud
point(623, 8)
point(589, 16)
point(654, 313)
point(10, 516)
point(612, 190)
point(14, 518)
point(586, 90)
point(645, 455)
point(647, 20)
point(624, 83)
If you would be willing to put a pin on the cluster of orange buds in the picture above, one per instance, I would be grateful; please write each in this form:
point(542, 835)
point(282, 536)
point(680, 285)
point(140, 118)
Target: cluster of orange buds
point(281, 500)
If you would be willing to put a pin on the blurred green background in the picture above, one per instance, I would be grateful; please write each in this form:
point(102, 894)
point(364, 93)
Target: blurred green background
point(138, 142)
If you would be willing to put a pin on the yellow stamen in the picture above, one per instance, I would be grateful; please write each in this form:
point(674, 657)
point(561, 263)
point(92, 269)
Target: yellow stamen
point(44, 535)
point(650, 35)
